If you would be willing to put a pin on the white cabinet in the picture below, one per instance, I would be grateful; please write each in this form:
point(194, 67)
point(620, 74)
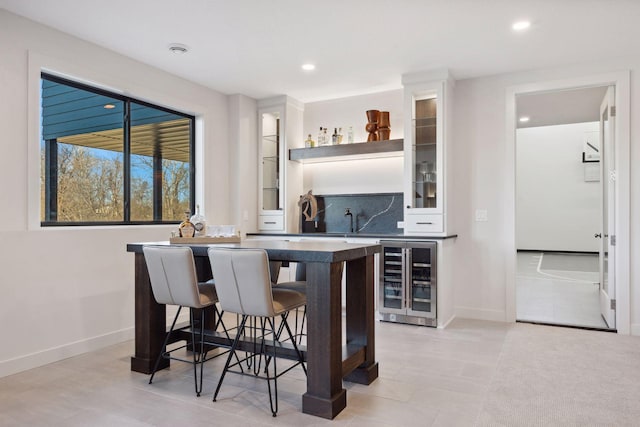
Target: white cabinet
point(280, 181)
point(427, 111)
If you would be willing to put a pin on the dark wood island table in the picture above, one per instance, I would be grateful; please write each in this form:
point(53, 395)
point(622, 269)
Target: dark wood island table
point(328, 361)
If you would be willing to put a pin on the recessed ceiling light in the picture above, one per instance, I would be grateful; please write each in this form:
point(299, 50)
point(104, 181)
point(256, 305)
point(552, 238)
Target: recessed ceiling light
point(524, 119)
point(308, 67)
point(178, 48)
point(521, 25)
point(109, 106)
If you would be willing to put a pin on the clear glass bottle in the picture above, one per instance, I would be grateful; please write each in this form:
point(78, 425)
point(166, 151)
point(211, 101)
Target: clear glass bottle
point(350, 135)
point(334, 137)
point(199, 223)
point(186, 227)
point(325, 137)
point(320, 138)
point(340, 135)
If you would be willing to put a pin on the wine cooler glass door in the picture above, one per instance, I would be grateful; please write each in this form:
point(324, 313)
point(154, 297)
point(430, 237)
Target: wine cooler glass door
point(393, 292)
point(421, 277)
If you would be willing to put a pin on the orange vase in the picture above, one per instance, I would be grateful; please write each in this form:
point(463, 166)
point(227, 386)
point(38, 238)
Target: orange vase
point(384, 130)
point(372, 126)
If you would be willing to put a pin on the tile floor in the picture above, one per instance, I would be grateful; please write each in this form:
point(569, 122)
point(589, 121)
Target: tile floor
point(559, 289)
point(471, 373)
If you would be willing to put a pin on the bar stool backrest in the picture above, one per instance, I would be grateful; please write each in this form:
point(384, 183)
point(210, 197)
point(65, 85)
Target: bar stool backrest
point(243, 281)
point(172, 272)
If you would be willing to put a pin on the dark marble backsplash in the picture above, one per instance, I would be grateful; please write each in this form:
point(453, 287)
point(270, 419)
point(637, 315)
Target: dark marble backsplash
point(372, 213)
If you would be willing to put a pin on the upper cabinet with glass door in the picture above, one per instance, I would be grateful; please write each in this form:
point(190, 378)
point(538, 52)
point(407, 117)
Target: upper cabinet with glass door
point(271, 152)
point(280, 180)
point(427, 129)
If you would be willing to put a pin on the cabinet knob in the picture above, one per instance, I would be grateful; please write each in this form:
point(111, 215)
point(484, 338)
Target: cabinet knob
point(597, 235)
point(408, 207)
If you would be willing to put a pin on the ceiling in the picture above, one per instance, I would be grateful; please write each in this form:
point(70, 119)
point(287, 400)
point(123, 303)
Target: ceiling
point(560, 107)
point(257, 47)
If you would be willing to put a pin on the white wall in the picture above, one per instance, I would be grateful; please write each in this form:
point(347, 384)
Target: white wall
point(556, 209)
point(481, 247)
point(68, 290)
point(355, 176)
point(243, 134)
point(382, 175)
point(350, 111)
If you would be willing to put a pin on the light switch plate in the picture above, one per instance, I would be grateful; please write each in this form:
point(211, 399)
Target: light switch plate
point(482, 215)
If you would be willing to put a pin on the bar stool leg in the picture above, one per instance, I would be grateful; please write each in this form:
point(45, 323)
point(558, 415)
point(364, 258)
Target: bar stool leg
point(231, 353)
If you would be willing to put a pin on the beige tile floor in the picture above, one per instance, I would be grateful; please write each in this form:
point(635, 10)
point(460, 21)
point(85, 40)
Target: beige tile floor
point(471, 373)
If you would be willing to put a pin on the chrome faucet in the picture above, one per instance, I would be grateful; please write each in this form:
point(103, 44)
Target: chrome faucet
point(347, 212)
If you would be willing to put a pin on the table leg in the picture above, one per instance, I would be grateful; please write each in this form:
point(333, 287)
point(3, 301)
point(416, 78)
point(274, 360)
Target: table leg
point(150, 322)
point(325, 396)
point(360, 316)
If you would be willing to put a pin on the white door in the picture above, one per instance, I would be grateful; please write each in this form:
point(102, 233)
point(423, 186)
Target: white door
point(608, 177)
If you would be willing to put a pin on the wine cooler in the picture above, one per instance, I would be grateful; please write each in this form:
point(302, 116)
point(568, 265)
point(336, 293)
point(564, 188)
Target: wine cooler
point(408, 282)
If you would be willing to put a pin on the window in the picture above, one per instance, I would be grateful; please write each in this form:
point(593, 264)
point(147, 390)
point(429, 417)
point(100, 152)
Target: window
point(110, 159)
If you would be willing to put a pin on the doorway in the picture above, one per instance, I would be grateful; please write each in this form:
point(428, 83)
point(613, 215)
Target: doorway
point(559, 207)
point(618, 267)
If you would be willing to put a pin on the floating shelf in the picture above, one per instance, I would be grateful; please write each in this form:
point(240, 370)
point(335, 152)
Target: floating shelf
point(359, 151)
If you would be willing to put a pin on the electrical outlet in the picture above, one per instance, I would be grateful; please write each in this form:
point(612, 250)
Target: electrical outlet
point(400, 224)
point(482, 215)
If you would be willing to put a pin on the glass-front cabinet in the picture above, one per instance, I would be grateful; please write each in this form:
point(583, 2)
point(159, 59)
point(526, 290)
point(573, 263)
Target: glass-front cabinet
point(280, 180)
point(425, 150)
point(271, 162)
point(426, 108)
point(271, 165)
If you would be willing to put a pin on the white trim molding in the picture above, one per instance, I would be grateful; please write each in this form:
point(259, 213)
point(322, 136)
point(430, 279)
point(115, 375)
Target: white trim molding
point(44, 357)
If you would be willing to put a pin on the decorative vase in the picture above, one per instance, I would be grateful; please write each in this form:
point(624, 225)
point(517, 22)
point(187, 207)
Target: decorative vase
point(384, 130)
point(372, 126)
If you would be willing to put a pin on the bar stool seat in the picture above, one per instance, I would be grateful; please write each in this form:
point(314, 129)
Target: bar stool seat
point(244, 286)
point(173, 277)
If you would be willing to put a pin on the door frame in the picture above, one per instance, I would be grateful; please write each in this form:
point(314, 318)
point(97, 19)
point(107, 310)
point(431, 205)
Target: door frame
point(621, 81)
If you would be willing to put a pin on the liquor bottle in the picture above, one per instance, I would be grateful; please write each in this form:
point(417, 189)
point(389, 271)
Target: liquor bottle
point(186, 228)
point(309, 143)
point(334, 137)
point(340, 135)
point(320, 139)
point(325, 137)
point(199, 223)
point(350, 135)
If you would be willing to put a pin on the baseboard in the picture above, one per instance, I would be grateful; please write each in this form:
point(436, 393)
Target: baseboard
point(635, 329)
point(34, 360)
point(445, 324)
point(480, 314)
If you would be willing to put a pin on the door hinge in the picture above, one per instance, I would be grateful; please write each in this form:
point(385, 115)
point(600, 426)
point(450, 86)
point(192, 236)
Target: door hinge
point(612, 111)
point(613, 304)
point(612, 240)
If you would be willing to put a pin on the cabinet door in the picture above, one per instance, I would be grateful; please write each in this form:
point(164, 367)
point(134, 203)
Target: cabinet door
point(271, 161)
point(421, 272)
point(424, 159)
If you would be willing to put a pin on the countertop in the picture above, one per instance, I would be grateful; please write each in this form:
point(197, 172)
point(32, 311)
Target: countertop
point(393, 236)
